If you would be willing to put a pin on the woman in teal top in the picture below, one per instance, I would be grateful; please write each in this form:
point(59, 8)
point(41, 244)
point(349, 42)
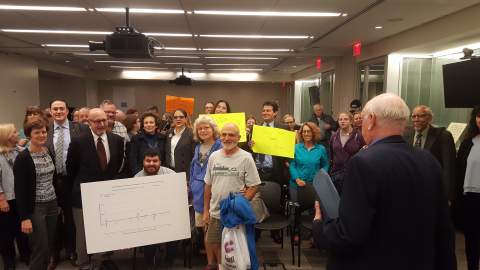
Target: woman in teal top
point(310, 157)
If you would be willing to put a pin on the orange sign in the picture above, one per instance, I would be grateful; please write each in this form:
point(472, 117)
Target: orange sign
point(172, 103)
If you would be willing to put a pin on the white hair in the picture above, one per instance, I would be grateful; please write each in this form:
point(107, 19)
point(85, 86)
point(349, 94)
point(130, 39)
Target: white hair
point(388, 109)
point(203, 119)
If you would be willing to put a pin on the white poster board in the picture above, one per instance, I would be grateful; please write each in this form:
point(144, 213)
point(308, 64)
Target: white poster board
point(457, 130)
point(134, 212)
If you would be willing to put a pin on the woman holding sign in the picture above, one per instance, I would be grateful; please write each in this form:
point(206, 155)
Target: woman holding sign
point(310, 157)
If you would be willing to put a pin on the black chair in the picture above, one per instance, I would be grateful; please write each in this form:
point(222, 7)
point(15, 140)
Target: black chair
point(306, 197)
point(278, 220)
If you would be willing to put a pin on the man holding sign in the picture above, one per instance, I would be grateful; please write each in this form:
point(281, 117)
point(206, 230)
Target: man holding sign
point(271, 168)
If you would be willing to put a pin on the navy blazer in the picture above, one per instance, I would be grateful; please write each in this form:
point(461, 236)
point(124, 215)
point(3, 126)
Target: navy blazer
point(83, 165)
point(393, 212)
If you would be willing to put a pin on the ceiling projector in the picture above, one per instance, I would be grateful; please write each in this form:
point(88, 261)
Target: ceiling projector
point(182, 80)
point(126, 42)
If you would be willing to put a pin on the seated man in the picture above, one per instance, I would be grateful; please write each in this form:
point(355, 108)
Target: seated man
point(229, 169)
point(151, 166)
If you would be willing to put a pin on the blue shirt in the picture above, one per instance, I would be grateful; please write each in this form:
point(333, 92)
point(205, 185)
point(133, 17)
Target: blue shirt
point(307, 163)
point(197, 176)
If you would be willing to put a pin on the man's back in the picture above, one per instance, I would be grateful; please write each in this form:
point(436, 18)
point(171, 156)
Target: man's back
point(393, 212)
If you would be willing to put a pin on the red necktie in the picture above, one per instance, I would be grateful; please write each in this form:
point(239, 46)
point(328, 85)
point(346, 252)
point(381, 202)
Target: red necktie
point(102, 155)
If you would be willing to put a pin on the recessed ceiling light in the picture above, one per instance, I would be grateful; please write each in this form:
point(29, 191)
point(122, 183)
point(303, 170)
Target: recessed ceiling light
point(266, 13)
point(190, 64)
point(238, 69)
point(44, 31)
point(241, 57)
point(238, 64)
point(178, 56)
point(80, 32)
point(246, 50)
point(176, 48)
point(378, 27)
point(67, 61)
point(128, 67)
point(256, 36)
point(168, 34)
point(142, 10)
point(41, 8)
point(66, 45)
point(91, 54)
point(128, 62)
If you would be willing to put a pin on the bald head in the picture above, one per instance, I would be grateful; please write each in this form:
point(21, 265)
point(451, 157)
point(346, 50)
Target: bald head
point(384, 115)
point(97, 120)
point(230, 135)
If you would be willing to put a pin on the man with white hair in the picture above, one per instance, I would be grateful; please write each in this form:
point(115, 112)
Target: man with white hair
point(393, 212)
point(229, 169)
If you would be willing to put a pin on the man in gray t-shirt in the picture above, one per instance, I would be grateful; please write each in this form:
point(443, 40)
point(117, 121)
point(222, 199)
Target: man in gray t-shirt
point(229, 169)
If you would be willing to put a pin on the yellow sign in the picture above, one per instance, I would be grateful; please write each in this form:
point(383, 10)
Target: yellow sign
point(273, 141)
point(235, 118)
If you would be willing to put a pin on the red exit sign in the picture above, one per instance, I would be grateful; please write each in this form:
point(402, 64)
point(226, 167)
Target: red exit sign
point(357, 48)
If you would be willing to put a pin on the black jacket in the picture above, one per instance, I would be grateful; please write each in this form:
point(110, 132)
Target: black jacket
point(83, 165)
point(183, 151)
point(440, 144)
point(137, 148)
point(25, 183)
point(393, 212)
point(329, 120)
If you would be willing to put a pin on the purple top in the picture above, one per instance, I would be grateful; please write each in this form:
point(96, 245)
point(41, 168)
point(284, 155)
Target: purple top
point(341, 155)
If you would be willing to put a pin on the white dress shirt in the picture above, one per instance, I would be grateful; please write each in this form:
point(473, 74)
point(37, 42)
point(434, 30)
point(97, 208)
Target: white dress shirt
point(173, 143)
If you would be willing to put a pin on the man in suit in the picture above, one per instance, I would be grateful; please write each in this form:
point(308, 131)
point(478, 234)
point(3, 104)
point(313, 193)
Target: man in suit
point(96, 155)
point(271, 168)
point(325, 122)
point(437, 140)
point(60, 133)
point(394, 212)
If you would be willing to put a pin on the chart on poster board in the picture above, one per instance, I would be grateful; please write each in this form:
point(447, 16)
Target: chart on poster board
point(134, 212)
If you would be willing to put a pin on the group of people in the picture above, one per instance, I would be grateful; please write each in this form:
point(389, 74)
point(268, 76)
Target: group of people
point(43, 165)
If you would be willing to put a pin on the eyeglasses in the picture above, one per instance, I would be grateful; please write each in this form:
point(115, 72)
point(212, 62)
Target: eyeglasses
point(179, 117)
point(98, 122)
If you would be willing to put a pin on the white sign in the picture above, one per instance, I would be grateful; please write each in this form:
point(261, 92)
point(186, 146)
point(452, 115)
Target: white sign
point(456, 129)
point(134, 212)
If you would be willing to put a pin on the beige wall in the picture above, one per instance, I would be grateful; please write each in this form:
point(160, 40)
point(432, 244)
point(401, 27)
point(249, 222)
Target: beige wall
point(70, 89)
point(242, 96)
point(19, 87)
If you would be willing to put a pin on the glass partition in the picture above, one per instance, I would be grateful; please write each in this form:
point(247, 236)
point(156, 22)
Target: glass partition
point(422, 83)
